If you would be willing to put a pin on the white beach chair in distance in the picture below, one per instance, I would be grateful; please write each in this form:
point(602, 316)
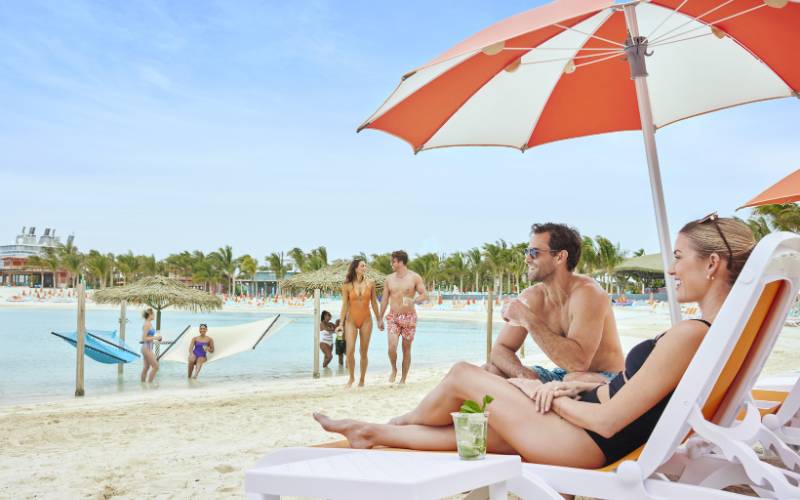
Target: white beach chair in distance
point(715, 387)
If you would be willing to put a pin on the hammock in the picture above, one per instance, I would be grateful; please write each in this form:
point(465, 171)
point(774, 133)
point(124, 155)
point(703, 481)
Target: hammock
point(101, 345)
point(228, 340)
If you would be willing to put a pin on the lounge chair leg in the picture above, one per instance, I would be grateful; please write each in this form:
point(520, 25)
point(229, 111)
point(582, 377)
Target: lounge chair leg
point(262, 496)
point(478, 494)
point(498, 491)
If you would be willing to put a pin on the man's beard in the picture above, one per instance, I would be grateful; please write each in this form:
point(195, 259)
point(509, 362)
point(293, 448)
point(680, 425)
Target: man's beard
point(537, 274)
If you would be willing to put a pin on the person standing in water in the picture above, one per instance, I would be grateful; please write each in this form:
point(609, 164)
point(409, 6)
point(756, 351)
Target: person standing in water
point(199, 348)
point(148, 337)
point(402, 290)
point(358, 293)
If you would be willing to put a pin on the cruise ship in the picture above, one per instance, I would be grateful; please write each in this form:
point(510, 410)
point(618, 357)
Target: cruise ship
point(14, 267)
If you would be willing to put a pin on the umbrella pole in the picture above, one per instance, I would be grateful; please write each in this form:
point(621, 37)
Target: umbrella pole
point(80, 339)
point(316, 332)
point(635, 52)
point(122, 320)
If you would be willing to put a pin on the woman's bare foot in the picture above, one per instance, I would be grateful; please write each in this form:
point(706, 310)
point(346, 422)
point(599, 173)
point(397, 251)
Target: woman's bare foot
point(350, 383)
point(393, 376)
point(361, 383)
point(357, 433)
point(400, 420)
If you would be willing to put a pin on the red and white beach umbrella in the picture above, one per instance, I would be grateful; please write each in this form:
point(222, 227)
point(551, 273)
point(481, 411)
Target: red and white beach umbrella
point(573, 68)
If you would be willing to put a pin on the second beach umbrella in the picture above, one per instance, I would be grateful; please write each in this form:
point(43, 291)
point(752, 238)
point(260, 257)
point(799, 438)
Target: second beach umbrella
point(574, 68)
point(786, 190)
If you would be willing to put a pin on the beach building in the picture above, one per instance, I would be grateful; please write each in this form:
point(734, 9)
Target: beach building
point(263, 284)
point(15, 269)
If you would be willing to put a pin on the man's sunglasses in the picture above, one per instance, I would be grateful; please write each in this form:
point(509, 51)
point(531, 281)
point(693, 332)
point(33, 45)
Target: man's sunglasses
point(534, 252)
point(713, 217)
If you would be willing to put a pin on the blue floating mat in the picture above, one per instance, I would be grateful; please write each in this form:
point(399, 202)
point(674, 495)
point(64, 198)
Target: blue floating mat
point(102, 345)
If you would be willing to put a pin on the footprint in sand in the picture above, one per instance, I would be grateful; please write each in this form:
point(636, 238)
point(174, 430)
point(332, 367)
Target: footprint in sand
point(224, 469)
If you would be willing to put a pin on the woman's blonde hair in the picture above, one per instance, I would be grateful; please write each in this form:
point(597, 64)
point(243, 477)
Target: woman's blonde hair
point(731, 239)
point(148, 313)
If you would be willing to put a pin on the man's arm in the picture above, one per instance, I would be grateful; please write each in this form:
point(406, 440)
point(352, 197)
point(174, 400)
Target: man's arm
point(422, 296)
point(504, 353)
point(384, 298)
point(575, 351)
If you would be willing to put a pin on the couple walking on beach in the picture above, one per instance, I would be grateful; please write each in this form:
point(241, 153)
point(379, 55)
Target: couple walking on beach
point(402, 290)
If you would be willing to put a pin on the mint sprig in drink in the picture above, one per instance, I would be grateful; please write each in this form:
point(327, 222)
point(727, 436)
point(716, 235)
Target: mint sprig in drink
point(471, 425)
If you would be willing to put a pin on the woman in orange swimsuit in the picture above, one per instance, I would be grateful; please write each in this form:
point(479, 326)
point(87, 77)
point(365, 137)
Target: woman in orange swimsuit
point(357, 294)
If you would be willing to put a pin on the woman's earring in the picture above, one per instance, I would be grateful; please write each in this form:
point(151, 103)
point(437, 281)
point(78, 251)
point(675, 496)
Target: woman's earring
point(708, 276)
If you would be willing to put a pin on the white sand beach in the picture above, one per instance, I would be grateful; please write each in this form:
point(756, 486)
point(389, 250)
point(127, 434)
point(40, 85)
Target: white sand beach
point(180, 443)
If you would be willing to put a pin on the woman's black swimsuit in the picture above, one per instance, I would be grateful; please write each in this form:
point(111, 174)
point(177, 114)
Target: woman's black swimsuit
point(637, 432)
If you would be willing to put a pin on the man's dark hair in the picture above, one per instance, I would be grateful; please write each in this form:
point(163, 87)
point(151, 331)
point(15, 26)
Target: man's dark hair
point(562, 237)
point(400, 256)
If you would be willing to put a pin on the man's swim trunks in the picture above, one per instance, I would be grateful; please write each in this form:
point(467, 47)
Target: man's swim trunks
point(548, 375)
point(404, 324)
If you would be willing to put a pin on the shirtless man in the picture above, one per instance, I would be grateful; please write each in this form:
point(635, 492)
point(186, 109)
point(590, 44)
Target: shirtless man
point(568, 315)
point(399, 292)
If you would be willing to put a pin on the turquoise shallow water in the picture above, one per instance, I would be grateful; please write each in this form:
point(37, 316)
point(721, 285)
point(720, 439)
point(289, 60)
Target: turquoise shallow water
point(37, 366)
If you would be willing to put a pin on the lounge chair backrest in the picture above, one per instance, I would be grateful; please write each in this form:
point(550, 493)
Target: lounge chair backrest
point(731, 356)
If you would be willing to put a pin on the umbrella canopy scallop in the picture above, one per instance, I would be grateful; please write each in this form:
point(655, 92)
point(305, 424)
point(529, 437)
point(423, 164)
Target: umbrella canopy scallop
point(159, 292)
point(327, 279)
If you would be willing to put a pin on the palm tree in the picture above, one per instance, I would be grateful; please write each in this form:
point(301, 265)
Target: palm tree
point(494, 257)
point(456, 267)
point(276, 264)
point(128, 266)
point(226, 265)
point(428, 266)
point(609, 257)
point(474, 257)
point(146, 265)
point(71, 259)
point(317, 259)
point(784, 217)
point(589, 262)
point(299, 257)
point(248, 266)
point(53, 262)
point(382, 262)
point(759, 226)
point(203, 269)
point(100, 267)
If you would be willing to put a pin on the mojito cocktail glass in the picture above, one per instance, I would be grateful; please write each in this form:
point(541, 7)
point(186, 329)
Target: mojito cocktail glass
point(471, 430)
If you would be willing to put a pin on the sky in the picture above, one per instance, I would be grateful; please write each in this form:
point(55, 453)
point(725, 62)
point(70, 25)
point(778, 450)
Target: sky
point(159, 127)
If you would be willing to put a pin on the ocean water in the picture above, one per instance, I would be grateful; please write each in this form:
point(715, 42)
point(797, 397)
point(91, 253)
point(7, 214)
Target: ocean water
point(38, 366)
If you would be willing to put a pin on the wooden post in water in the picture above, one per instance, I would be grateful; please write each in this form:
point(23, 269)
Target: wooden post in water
point(122, 320)
point(316, 332)
point(80, 337)
point(489, 314)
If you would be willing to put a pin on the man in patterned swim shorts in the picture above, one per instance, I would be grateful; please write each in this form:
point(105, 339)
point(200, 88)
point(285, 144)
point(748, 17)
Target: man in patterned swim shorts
point(402, 290)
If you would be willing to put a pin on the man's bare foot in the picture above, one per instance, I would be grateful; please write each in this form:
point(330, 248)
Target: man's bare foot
point(402, 381)
point(357, 433)
point(393, 376)
point(361, 383)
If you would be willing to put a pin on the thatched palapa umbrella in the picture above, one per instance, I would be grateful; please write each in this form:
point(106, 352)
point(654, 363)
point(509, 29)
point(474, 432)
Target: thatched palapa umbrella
point(159, 292)
point(328, 279)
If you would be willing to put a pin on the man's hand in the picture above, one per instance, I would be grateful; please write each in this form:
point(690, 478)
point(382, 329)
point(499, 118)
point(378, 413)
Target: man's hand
point(526, 385)
point(515, 312)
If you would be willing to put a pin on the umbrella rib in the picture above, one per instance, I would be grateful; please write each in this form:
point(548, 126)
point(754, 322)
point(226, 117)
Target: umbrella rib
point(596, 61)
point(601, 54)
point(669, 16)
point(612, 42)
point(704, 25)
point(659, 44)
point(574, 49)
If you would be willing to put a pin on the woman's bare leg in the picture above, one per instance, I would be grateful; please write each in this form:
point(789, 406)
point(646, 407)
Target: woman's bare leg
point(198, 365)
point(145, 366)
point(327, 350)
point(364, 334)
point(539, 438)
point(415, 437)
point(153, 365)
point(350, 339)
point(192, 361)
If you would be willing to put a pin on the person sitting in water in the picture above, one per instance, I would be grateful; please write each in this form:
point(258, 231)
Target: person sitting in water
point(326, 331)
point(579, 423)
point(199, 348)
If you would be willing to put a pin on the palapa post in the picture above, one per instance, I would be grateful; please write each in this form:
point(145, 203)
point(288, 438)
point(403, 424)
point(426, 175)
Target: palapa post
point(489, 314)
point(316, 332)
point(122, 320)
point(80, 337)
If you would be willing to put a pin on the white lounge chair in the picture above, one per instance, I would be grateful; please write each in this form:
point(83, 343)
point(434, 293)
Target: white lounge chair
point(710, 395)
point(714, 389)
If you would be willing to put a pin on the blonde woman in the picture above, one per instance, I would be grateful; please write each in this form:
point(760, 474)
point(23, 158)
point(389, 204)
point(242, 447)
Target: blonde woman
point(148, 337)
